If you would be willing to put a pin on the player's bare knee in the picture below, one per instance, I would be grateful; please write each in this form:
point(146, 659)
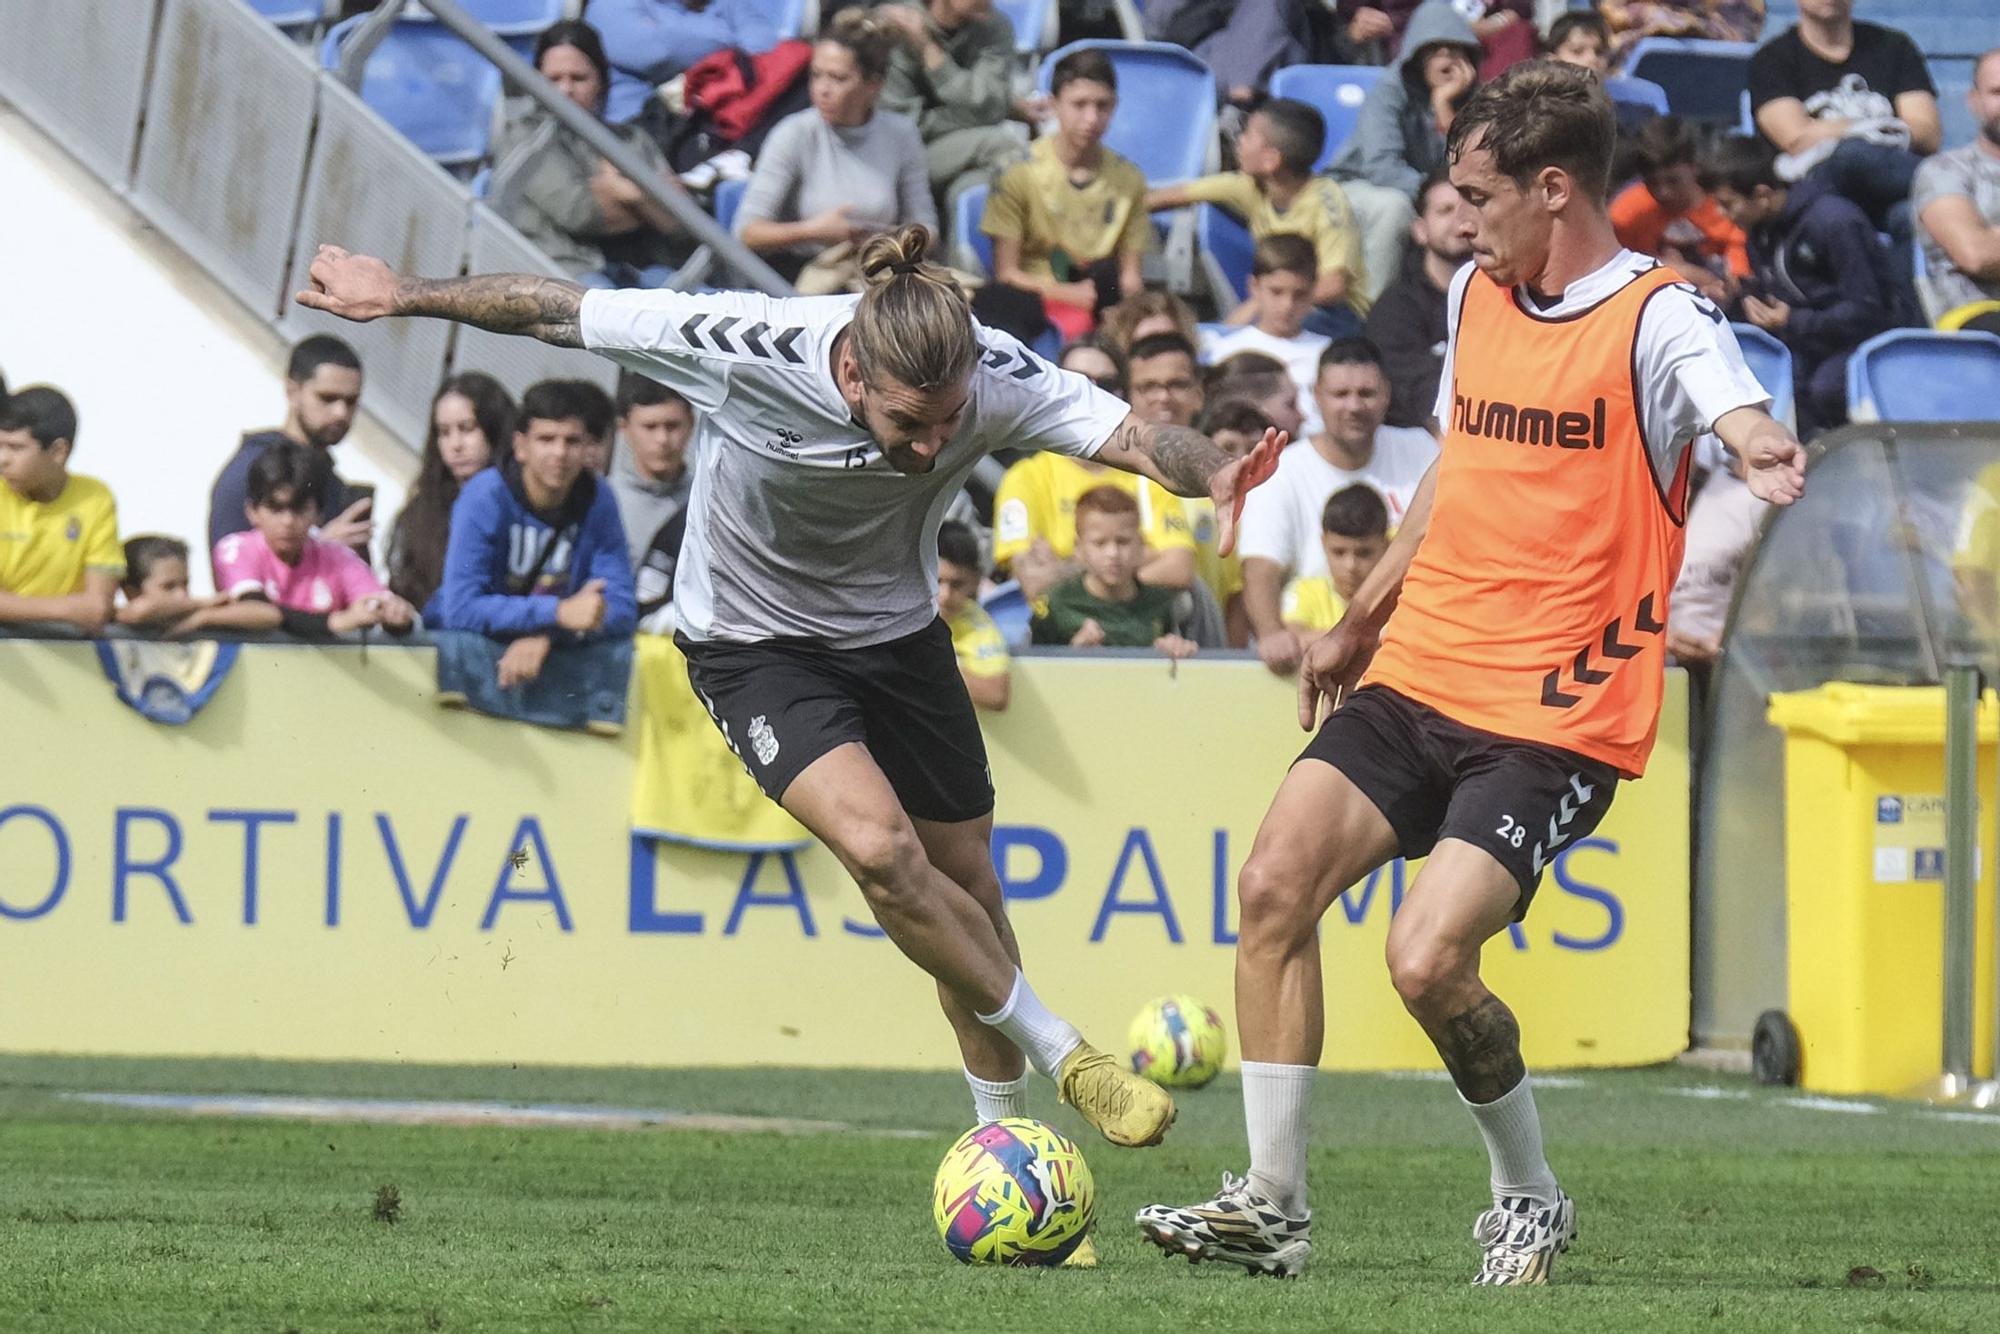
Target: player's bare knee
point(1427, 974)
point(886, 861)
point(1275, 901)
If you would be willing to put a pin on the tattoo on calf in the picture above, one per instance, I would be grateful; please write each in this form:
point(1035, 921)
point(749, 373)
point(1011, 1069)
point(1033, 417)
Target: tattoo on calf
point(1482, 1049)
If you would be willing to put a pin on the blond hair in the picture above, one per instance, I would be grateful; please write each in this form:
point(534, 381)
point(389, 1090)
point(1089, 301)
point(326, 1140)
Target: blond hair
point(868, 39)
point(913, 324)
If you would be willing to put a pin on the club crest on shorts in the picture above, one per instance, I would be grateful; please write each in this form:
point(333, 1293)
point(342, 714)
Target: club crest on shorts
point(762, 740)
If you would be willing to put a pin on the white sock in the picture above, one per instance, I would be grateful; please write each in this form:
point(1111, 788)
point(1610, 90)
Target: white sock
point(1277, 1109)
point(1513, 1135)
point(1045, 1039)
point(995, 1100)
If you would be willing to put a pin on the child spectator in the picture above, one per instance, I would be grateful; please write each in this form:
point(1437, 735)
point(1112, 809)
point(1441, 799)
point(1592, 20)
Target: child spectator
point(1106, 606)
point(600, 418)
point(650, 482)
point(1263, 380)
point(1152, 311)
point(1820, 276)
point(1409, 321)
point(1582, 38)
point(1234, 424)
point(1666, 213)
point(1354, 532)
point(307, 586)
point(471, 418)
point(1097, 359)
point(1069, 225)
point(1283, 274)
point(59, 554)
point(322, 394)
point(1275, 191)
point(981, 650)
point(156, 593)
point(1399, 138)
point(538, 587)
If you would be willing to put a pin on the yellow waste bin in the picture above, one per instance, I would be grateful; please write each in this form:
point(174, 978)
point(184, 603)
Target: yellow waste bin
point(1864, 885)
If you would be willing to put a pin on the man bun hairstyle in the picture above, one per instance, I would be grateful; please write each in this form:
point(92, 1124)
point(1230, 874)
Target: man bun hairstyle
point(868, 39)
point(913, 325)
point(1538, 115)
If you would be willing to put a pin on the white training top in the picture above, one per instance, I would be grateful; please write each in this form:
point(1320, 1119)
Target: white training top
point(1689, 364)
point(797, 526)
point(1281, 518)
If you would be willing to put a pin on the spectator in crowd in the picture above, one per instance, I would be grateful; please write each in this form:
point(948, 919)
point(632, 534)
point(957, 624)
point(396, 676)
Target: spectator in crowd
point(650, 482)
point(1408, 322)
point(1262, 380)
point(1099, 360)
point(1070, 223)
point(1281, 519)
point(471, 418)
point(1666, 213)
point(1275, 192)
point(1399, 138)
point(1244, 41)
point(983, 661)
point(1852, 104)
point(1105, 605)
point(537, 606)
point(1353, 532)
point(1166, 380)
point(59, 555)
point(1582, 38)
point(322, 392)
point(1234, 424)
point(953, 75)
point(300, 584)
point(1957, 197)
point(593, 222)
point(1375, 28)
point(833, 175)
point(155, 583)
point(600, 424)
point(1713, 20)
point(1283, 271)
point(1820, 279)
point(1138, 318)
point(651, 41)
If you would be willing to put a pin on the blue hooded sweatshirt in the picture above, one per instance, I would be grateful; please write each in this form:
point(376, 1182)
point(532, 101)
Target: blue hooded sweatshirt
point(1823, 258)
point(497, 540)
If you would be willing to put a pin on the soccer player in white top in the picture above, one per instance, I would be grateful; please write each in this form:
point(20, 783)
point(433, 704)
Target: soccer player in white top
point(834, 432)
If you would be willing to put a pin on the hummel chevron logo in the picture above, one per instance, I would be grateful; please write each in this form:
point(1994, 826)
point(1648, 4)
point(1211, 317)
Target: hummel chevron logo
point(751, 341)
point(1583, 671)
point(1028, 369)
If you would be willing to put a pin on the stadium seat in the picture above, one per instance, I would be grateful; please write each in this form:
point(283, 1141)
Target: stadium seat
point(1771, 362)
point(788, 16)
point(430, 85)
point(1704, 80)
point(728, 198)
point(1642, 92)
point(1226, 253)
point(1165, 122)
point(1335, 91)
point(512, 18)
point(972, 249)
point(1010, 612)
point(1034, 24)
point(292, 15)
point(1923, 375)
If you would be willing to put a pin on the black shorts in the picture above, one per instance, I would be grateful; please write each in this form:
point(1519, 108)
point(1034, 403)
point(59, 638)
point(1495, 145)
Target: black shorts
point(1433, 778)
point(783, 703)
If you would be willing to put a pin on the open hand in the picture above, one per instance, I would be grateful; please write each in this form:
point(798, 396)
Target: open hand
point(1231, 485)
point(354, 287)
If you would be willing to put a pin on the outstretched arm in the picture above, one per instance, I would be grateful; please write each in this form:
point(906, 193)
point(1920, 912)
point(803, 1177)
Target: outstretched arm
point(1188, 463)
point(1774, 463)
point(361, 288)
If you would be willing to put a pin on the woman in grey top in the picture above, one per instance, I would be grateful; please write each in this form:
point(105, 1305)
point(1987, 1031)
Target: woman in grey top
point(834, 175)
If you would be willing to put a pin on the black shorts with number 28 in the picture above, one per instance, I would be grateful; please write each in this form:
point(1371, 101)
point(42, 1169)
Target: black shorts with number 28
point(1433, 778)
point(783, 703)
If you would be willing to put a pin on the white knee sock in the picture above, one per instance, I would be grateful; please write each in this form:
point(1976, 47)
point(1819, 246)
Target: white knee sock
point(1277, 1109)
point(1513, 1135)
point(1045, 1039)
point(995, 1100)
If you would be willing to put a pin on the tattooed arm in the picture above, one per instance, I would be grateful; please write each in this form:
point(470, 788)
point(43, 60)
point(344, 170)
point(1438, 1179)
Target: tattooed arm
point(1188, 463)
point(361, 287)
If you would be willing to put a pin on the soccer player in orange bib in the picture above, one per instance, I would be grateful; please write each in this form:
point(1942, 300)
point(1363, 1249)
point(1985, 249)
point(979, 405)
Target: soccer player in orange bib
point(1509, 653)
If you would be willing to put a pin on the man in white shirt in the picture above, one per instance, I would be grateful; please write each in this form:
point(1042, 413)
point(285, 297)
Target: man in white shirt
point(1282, 276)
point(1280, 537)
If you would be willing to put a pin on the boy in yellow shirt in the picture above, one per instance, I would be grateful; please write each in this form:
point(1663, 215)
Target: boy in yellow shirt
point(1354, 532)
point(1276, 191)
point(983, 660)
point(59, 554)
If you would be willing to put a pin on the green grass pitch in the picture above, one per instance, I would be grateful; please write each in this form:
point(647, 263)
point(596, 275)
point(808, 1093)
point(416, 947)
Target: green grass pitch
point(1744, 1209)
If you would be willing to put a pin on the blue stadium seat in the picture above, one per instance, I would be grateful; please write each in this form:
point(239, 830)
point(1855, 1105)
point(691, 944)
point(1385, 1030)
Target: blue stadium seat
point(1165, 122)
point(728, 198)
point(1642, 92)
point(1032, 20)
point(1704, 80)
point(514, 18)
point(973, 249)
point(789, 16)
point(1010, 612)
point(292, 15)
point(430, 85)
point(1226, 252)
point(1335, 91)
point(1923, 375)
point(1771, 362)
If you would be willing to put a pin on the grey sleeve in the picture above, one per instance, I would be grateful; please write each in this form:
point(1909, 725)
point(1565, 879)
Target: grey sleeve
point(1938, 177)
point(772, 195)
point(1378, 138)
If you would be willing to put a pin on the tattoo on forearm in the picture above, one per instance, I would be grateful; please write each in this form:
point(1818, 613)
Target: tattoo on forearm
point(1482, 1049)
point(1185, 458)
point(508, 303)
